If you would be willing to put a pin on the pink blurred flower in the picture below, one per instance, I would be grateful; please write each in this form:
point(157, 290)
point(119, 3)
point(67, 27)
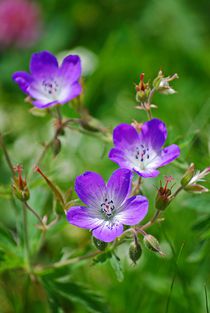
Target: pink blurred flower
point(19, 23)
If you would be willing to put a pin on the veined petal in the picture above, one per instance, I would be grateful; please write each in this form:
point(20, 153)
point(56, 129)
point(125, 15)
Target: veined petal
point(84, 217)
point(148, 172)
point(153, 134)
point(119, 186)
point(43, 63)
point(108, 231)
point(70, 70)
point(91, 189)
point(43, 104)
point(166, 156)
point(133, 210)
point(121, 158)
point(23, 80)
point(125, 136)
point(69, 92)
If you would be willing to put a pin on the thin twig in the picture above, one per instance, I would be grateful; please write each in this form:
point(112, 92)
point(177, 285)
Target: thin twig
point(26, 240)
point(35, 214)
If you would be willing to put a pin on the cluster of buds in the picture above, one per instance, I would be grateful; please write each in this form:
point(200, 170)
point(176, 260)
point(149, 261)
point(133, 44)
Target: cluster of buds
point(161, 83)
point(191, 178)
point(19, 185)
point(163, 197)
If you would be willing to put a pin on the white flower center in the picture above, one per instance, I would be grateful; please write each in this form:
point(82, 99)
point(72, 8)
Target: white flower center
point(50, 87)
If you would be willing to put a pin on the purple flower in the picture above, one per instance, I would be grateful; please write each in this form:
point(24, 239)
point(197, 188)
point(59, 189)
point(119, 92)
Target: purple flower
point(142, 152)
point(108, 207)
point(48, 83)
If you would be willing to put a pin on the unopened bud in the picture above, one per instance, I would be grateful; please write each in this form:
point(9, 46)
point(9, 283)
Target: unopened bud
point(152, 244)
point(56, 146)
point(100, 245)
point(135, 251)
point(188, 175)
point(196, 188)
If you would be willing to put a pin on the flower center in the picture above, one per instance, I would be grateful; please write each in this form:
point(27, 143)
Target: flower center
point(50, 86)
point(142, 153)
point(107, 207)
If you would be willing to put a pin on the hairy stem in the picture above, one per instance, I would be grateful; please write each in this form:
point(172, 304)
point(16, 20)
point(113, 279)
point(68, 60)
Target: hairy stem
point(150, 223)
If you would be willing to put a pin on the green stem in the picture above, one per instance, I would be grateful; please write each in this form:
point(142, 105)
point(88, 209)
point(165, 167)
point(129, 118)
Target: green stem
point(6, 155)
point(35, 214)
point(150, 223)
point(26, 240)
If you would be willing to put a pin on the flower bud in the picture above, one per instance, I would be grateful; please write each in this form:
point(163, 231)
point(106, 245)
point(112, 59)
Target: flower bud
point(19, 185)
point(100, 245)
point(142, 90)
point(135, 251)
point(56, 146)
point(188, 175)
point(196, 188)
point(152, 244)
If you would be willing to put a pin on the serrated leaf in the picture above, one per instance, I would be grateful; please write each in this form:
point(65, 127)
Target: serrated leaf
point(101, 258)
point(116, 265)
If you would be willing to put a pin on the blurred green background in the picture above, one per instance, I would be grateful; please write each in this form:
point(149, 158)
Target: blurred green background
point(119, 40)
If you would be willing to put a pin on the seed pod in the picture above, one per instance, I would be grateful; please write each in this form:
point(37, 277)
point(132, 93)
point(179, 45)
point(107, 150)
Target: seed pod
point(100, 245)
point(163, 198)
point(152, 244)
point(135, 251)
point(56, 146)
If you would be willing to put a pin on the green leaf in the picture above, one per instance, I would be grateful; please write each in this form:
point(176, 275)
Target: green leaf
point(62, 291)
point(116, 265)
point(101, 258)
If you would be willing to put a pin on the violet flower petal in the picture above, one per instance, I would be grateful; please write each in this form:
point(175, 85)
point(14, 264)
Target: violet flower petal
point(23, 80)
point(147, 173)
point(125, 136)
point(84, 217)
point(153, 134)
point(166, 156)
point(42, 63)
point(121, 158)
point(119, 186)
point(133, 210)
point(70, 70)
point(69, 92)
point(91, 189)
point(108, 231)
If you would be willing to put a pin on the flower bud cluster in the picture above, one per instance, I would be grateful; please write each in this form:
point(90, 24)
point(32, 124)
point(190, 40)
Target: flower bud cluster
point(191, 178)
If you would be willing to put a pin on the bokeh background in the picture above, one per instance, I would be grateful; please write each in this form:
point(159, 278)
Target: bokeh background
point(117, 40)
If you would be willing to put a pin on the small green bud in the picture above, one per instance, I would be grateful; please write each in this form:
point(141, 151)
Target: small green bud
point(152, 244)
point(56, 146)
point(188, 175)
point(100, 245)
point(135, 251)
point(196, 188)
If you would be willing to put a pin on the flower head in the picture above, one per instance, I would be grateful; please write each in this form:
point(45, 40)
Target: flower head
point(142, 152)
point(48, 83)
point(108, 207)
